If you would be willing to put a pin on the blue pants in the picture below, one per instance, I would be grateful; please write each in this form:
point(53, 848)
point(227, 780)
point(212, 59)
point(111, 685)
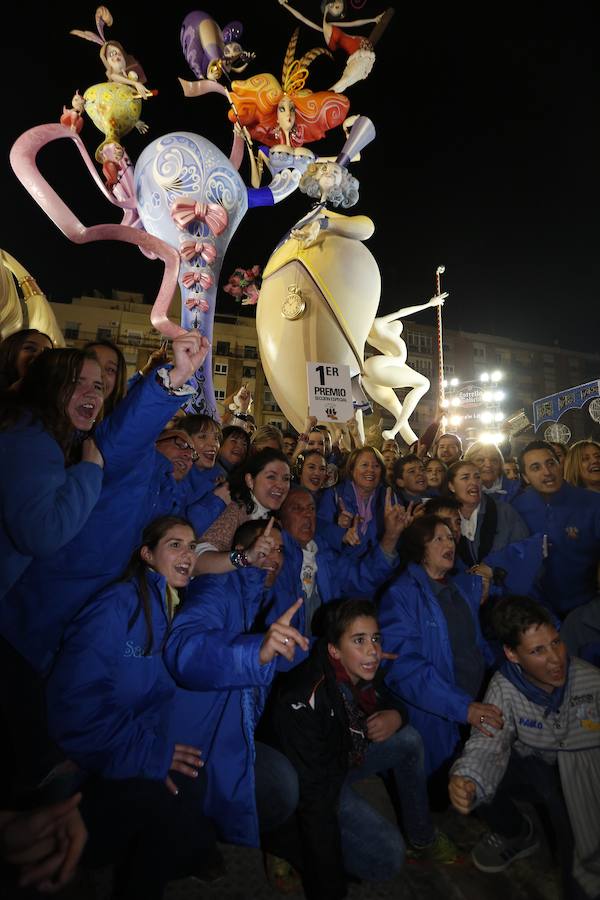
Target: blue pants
point(276, 785)
point(372, 846)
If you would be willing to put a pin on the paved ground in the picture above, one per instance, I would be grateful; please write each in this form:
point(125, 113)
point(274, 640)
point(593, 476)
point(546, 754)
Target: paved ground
point(531, 879)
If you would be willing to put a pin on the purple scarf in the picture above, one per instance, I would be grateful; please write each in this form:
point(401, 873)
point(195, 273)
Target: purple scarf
point(364, 509)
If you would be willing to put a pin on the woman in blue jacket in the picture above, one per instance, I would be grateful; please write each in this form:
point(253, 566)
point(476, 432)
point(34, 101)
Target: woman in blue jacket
point(362, 495)
point(115, 711)
point(433, 626)
point(49, 480)
point(138, 487)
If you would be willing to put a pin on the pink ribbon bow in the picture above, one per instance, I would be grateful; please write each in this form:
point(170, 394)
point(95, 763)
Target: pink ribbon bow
point(183, 212)
point(198, 276)
point(190, 249)
point(195, 302)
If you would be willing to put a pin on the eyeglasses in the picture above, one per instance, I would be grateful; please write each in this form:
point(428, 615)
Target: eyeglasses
point(180, 443)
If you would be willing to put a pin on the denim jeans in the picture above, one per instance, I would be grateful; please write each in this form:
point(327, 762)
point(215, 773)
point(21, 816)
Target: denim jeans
point(276, 785)
point(372, 846)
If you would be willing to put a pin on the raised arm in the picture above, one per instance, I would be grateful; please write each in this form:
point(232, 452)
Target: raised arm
point(299, 16)
point(438, 300)
point(358, 22)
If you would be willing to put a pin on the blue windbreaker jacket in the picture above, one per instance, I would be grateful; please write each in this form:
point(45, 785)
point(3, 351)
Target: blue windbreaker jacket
point(43, 505)
point(571, 519)
point(210, 653)
point(138, 487)
point(413, 625)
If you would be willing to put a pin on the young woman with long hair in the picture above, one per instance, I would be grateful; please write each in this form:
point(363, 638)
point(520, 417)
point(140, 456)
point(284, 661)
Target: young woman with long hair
point(115, 711)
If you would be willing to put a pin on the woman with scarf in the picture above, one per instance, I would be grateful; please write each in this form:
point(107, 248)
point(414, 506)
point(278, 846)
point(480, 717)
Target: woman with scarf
point(357, 504)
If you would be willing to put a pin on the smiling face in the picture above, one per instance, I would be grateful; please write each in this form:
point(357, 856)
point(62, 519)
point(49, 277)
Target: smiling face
point(448, 450)
point(234, 448)
point(314, 472)
point(271, 485)
point(414, 479)
point(299, 517)
point(542, 471)
point(176, 446)
point(366, 473)
point(88, 396)
point(206, 445)
point(173, 556)
point(466, 485)
point(435, 473)
point(542, 655)
point(590, 466)
point(489, 463)
point(359, 649)
point(31, 347)
point(109, 363)
point(439, 552)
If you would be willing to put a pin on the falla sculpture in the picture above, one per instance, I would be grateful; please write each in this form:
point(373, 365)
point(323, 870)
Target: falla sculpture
point(184, 198)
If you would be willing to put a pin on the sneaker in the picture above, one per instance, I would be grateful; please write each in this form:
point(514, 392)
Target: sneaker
point(441, 850)
point(495, 853)
point(281, 875)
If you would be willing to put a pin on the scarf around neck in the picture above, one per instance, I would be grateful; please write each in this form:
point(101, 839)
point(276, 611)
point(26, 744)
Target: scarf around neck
point(364, 509)
point(551, 702)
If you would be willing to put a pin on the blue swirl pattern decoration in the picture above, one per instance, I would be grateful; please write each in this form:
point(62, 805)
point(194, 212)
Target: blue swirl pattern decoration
point(186, 170)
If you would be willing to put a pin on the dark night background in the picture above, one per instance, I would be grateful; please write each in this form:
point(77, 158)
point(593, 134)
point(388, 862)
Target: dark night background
point(485, 160)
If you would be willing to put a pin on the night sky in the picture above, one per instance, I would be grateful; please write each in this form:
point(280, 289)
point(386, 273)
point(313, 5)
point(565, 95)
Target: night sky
point(485, 160)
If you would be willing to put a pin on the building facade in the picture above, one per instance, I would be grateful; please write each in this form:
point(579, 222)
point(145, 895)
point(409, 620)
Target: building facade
point(529, 371)
point(124, 319)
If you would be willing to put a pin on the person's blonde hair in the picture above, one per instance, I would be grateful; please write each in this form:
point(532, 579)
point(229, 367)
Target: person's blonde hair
point(572, 471)
point(263, 434)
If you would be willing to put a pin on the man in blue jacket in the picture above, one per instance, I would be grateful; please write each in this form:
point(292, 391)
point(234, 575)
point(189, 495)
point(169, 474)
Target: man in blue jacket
point(570, 517)
point(320, 574)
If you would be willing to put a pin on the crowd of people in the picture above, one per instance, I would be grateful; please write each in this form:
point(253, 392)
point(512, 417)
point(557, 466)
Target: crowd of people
point(211, 633)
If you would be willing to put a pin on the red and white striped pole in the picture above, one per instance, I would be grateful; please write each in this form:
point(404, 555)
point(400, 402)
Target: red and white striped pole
point(438, 289)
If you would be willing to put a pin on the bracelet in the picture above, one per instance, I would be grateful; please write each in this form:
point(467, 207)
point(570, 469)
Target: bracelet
point(164, 378)
point(238, 559)
point(239, 415)
point(303, 437)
